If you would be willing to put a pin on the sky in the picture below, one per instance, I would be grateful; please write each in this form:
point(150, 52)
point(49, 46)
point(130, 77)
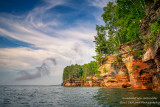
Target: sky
point(38, 38)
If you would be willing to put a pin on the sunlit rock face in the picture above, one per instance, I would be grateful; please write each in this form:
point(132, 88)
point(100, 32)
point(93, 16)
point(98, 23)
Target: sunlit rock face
point(127, 73)
point(116, 74)
point(141, 77)
point(125, 70)
point(132, 72)
point(152, 58)
point(121, 70)
point(80, 83)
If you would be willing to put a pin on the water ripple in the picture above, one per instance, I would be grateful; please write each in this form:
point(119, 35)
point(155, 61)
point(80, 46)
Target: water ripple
point(58, 96)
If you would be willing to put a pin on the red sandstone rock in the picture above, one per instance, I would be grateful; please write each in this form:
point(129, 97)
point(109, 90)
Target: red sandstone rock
point(130, 72)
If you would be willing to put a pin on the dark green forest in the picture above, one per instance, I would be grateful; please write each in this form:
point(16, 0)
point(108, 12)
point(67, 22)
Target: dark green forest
point(121, 19)
point(80, 71)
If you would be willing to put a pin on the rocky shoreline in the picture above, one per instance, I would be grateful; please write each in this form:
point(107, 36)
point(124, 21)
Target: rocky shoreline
point(126, 69)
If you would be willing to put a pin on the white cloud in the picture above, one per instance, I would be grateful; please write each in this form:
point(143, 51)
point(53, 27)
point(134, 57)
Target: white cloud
point(15, 59)
point(69, 45)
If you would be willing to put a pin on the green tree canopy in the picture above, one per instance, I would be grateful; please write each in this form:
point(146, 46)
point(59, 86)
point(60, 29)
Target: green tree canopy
point(121, 25)
point(76, 71)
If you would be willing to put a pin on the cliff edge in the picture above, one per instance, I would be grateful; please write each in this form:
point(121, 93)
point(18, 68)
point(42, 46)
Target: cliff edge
point(137, 65)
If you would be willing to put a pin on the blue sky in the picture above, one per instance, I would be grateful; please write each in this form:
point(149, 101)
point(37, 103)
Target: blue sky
point(38, 38)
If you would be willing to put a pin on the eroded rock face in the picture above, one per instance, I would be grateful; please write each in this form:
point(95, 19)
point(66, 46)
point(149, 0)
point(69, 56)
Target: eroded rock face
point(142, 74)
point(117, 74)
point(81, 83)
point(152, 54)
point(124, 70)
point(155, 69)
point(129, 73)
point(141, 77)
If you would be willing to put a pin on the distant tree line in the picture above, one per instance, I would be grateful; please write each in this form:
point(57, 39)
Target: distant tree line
point(76, 71)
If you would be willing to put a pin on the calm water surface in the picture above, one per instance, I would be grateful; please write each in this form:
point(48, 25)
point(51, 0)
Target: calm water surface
point(58, 96)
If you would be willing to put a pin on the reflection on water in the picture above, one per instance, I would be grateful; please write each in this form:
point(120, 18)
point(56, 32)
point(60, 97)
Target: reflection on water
point(58, 96)
point(127, 97)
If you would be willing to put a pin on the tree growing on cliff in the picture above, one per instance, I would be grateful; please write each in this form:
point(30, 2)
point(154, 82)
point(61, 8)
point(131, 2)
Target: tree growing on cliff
point(121, 25)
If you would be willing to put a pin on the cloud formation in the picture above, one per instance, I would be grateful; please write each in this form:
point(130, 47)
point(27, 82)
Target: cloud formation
point(43, 70)
point(50, 37)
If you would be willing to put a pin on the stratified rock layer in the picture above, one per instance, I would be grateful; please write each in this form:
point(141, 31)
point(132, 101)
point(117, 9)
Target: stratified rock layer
point(152, 54)
point(125, 70)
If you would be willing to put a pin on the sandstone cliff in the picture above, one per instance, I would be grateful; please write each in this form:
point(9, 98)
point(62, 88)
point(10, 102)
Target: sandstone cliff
point(128, 68)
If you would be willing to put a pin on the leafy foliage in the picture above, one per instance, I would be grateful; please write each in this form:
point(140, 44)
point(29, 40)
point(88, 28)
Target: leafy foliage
point(121, 25)
point(155, 29)
point(99, 58)
point(73, 71)
point(139, 53)
point(80, 71)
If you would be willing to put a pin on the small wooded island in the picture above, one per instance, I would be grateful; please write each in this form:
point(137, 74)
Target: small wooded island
point(127, 47)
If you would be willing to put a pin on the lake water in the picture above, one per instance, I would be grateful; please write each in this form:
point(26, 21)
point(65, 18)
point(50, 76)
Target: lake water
point(58, 96)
